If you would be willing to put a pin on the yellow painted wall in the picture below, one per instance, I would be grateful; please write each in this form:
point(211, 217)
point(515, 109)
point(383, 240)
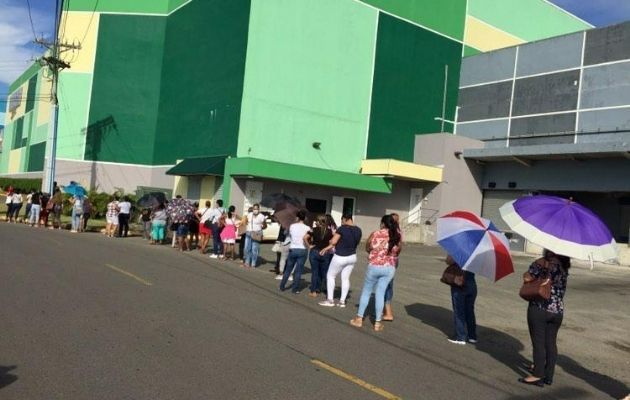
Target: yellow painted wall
point(485, 37)
point(78, 29)
point(44, 108)
point(15, 161)
point(180, 187)
point(207, 190)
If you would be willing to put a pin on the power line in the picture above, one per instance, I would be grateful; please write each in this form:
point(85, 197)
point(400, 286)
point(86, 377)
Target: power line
point(89, 22)
point(30, 18)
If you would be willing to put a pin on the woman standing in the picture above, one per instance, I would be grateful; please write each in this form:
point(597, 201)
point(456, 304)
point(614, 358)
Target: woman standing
point(345, 242)
point(57, 206)
point(16, 206)
point(36, 207)
point(230, 223)
point(318, 239)
point(77, 212)
point(7, 202)
point(298, 232)
point(253, 235)
point(545, 317)
point(383, 247)
point(158, 224)
point(204, 232)
point(112, 217)
point(388, 313)
point(124, 214)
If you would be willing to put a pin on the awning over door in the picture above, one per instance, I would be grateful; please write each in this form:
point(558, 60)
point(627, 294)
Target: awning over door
point(199, 166)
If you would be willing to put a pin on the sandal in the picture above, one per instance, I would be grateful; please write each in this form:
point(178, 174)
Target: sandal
point(378, 326)
point(357, 322)
point(387, 319)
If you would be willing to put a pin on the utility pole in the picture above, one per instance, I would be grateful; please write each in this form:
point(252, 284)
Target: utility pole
point(55, 64)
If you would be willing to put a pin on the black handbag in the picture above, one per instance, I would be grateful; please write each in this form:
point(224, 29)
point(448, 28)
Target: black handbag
point(453, 276)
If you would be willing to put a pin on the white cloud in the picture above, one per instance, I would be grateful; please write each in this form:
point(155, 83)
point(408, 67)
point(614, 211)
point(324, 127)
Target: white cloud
point(16, 47)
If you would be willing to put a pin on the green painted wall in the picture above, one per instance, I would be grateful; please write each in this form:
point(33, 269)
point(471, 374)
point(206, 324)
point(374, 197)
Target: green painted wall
point(408, 87)
point(26, 75)
point(527, 19)
point(122, 6)
point(307, 79)
point(74, 96)
point(444, 16)
point(470, 51)
point(202, 80)
point(126, 89)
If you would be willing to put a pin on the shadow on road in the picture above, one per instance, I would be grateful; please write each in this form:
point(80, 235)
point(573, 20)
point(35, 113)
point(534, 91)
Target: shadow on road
point(553, 393)
point(506, 350)
point(6, 378)
point(499, 345)
point(603, 383)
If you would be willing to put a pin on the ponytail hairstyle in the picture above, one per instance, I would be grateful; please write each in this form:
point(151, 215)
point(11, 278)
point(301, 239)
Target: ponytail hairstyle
point(394, 235)
point(322, 226)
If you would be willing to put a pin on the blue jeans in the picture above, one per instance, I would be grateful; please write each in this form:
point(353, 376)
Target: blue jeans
point(389, 293)
point(34, 215)
point(319, 269)
point(464, 311)
point(252, 249)
point(378, 276)
point(76, 220)
point(217, 243)
point(296, 259)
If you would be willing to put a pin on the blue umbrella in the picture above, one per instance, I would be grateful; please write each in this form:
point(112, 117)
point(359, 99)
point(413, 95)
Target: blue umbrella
point(75, 189)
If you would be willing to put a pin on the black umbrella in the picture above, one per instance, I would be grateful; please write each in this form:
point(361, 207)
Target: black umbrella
point(153, 199)
point(285, 209)
point(279, 200)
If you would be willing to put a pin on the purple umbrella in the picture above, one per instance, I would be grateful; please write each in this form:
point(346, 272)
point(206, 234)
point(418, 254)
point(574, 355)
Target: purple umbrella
point(562, 226)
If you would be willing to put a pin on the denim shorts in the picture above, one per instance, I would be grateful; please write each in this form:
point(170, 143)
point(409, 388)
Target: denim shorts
point(182, 230)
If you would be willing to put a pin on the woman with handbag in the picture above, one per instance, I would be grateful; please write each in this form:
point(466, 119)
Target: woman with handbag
point(253, 236)
point(544, 315)
point(205, 226)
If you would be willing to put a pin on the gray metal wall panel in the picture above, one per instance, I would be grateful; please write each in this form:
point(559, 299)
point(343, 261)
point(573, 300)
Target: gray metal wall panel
point(542, 140)
point(605, 86)
point(488, 67)
point(546, 93)
point(563, 52)
point(484, 102)
point(494, 133)
point(607, 44)
point(604, 120)
point(546, 124)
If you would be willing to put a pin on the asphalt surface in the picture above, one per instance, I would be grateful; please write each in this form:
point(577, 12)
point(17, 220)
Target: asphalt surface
point(87, 317)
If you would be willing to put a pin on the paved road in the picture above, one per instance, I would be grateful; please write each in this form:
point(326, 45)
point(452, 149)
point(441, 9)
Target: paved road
point(86, 317)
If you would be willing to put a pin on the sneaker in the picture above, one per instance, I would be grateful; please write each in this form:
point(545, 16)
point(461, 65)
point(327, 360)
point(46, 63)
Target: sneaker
point(279, 277)
point(455, 341)
point(341, 304)
point(291, 279)
point(473, 341)
point(213, 256)
point(327, 303)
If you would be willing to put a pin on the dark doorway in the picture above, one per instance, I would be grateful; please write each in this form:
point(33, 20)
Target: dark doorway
point(316, 206)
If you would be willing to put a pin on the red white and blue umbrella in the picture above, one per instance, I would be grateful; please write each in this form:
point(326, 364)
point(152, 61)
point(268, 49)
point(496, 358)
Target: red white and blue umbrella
point(562, 226)
point(475, 244)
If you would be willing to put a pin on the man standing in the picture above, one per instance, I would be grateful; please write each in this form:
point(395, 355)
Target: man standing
point(215, 217)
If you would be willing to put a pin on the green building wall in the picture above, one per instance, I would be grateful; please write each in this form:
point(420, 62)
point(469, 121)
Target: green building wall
point(308, 79)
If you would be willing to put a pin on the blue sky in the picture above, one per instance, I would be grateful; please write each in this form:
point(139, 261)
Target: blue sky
point(16, 36)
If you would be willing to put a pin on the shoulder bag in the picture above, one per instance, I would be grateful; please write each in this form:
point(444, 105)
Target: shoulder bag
point(257, 236)
point(453, 275)
point(538, 289)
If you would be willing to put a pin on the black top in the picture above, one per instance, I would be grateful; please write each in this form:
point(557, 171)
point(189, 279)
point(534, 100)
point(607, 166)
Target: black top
point(282, 235)
point(35, 198)
point(350, 238)
point(320, 237)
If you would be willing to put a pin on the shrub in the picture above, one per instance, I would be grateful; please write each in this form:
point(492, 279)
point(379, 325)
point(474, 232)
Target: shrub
point(23, 184)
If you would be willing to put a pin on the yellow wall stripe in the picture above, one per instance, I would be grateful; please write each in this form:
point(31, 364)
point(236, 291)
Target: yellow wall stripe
point(485, 37)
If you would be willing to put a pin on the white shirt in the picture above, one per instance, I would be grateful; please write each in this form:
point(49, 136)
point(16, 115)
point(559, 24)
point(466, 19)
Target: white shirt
point(297, 232)
point(204, 214)
point(125, 207)
point(16, 199)
point(9, 199)
point(215, 214)
point(255, 222)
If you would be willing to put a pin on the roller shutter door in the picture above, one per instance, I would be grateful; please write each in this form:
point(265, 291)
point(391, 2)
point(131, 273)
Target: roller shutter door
point(492, 202)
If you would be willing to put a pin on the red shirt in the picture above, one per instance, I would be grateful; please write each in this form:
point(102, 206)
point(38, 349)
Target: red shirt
point(379, 244)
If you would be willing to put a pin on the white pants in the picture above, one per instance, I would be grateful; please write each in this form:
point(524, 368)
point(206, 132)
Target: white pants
point(344, 265)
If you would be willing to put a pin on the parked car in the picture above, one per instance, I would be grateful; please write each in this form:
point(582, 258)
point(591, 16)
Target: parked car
point(273, 228)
